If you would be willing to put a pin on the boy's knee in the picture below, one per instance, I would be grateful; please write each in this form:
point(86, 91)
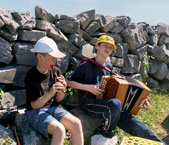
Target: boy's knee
point(56, 128)
point(115, 104)
point(77, 123)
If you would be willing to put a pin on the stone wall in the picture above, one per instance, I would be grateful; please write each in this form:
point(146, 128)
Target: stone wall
point(143, 50)
point(76, 37)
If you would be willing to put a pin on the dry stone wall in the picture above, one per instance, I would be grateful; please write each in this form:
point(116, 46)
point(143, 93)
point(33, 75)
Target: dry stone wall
point(143, 50)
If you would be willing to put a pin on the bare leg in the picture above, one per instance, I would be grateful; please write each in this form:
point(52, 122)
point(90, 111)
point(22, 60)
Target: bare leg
point(73, 124)
point(57, 130)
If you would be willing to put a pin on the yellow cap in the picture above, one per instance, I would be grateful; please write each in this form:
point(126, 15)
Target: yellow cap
point(106, 39)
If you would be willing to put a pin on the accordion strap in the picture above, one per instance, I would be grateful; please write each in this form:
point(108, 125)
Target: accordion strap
point(103, 67)
point(97, 64)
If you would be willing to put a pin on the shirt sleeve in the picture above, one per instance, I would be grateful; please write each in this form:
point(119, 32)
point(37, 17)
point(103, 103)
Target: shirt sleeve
point(112, 68)
point(78, 74)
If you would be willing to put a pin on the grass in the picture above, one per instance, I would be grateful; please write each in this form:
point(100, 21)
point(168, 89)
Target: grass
point(5, 139)
point(156, 117)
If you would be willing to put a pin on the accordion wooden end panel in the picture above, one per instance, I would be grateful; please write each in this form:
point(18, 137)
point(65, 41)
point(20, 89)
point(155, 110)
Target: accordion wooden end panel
point(129, 91)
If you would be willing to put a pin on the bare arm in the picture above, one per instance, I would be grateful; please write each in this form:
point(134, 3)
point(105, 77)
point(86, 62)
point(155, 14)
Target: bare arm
point(40, 102)
point(94, 89)
point(59, 87)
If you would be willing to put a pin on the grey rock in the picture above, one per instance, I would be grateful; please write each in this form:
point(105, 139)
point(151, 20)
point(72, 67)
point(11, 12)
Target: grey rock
point(89, 123)
point(6, 34)
point(33, 35)
point(153, 39)
point(131, 64)
point(76, 39)
point(23, 54)
point(152, 82)
point(162, 29)
point(42, 14)
point(43, 25)
point(118, 62)
point(1, 23)
point(158, 69)
point(68, 26)
point(109, 25)
point(86, 51)
point(150, 30)
point(67, 47)
point(123, 20)
point(56, 34)
point(142, 52)
point(159, 52)
point(65, 17)
point(166, 41)
point(119, 52)
point(29, 24)
point(13, 98)
point(5, 51)
point(62, 63)
point(21, 18)
point(13, 74)
point(162, 39)
point(126, 32)
point(29, 135)
point(93, 27)
point(154, 66)
point(138, 38)
point(93, 41)
point(99, 33)
point(8, 20)
point(85, 18)
point(117, 28)
point(167, 75)
point(164, 84)
point(85, 35)
point(100, 19)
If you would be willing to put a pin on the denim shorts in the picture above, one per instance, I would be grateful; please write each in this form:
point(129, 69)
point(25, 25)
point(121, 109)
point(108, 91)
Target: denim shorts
point(39, 119)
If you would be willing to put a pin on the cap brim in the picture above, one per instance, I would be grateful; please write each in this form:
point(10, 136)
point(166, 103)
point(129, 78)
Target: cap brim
point(57, 55)
point(114, 46)
point(32, 50)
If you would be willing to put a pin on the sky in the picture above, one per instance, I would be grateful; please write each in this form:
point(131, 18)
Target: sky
point(150, 11)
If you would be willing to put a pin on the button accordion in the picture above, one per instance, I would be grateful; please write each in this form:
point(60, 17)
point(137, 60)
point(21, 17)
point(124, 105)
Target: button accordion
point(129, 91)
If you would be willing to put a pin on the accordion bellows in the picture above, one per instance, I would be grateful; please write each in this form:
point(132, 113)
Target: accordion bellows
point(129, 91)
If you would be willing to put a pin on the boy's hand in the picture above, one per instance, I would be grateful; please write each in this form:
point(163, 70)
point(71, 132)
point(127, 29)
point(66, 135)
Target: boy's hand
point(57, 87)
point(145, 103)
point(94, 89)
point(62, 80)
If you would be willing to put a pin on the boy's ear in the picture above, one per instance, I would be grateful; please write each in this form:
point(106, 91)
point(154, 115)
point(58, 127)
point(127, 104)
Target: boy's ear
point(39, 55)
point(97, 46)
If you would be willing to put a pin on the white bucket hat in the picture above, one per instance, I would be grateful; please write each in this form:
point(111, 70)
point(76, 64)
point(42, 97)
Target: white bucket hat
point(47, 45)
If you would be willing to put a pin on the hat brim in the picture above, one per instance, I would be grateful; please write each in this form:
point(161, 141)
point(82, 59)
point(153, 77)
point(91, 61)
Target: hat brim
point(57, 54)
point(114, 46)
